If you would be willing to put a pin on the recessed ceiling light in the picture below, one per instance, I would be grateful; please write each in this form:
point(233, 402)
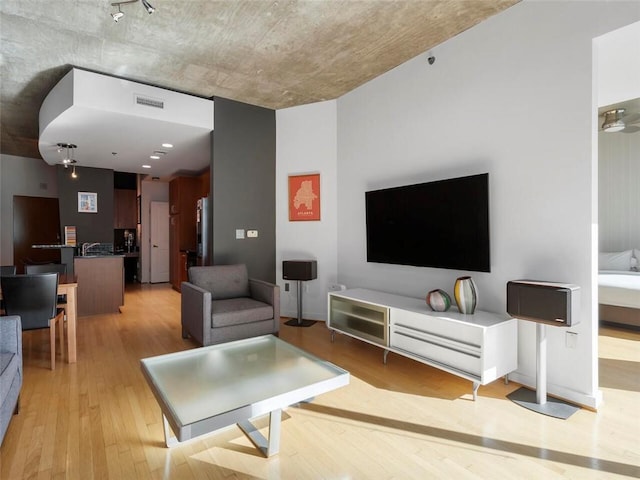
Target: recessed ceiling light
point(167, 145)
point(155, 157)
point(146, 166)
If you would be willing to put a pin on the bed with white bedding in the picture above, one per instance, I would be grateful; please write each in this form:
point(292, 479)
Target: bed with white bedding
point(619, 289)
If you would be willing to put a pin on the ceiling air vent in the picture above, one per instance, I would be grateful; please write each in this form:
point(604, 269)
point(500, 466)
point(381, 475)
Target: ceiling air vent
point(149, 102)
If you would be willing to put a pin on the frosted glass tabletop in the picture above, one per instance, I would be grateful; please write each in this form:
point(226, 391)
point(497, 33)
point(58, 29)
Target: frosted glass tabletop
point(209, 381)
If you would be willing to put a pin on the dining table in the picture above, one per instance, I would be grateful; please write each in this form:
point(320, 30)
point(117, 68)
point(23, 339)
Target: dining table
point(68, 285)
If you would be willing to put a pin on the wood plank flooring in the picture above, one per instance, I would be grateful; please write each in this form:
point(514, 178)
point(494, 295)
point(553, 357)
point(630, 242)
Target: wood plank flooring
point(97, 419)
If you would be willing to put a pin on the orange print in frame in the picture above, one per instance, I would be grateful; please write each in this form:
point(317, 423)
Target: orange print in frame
point(304, 197)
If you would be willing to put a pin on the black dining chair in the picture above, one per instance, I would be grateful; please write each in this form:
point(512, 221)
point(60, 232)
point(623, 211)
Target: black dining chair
point(7, 270)
point(59, 268)
point(46, 268)
point(34, 297)
point(4, 271)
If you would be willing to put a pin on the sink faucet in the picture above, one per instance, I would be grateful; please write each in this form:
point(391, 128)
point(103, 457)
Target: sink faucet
point(87, 246)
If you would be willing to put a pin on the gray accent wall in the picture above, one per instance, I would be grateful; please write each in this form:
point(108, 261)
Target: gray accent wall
point(243, 186)
point(90, 227)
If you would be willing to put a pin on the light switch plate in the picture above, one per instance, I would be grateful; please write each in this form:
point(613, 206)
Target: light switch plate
point(239, 233)
point(252, 233)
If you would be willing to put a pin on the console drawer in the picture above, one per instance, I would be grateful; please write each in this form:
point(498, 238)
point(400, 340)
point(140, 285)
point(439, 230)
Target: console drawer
point(460, 356)
point(431, 324)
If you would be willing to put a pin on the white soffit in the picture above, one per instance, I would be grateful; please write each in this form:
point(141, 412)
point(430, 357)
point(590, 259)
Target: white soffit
point(118, 124)
point(619, 65)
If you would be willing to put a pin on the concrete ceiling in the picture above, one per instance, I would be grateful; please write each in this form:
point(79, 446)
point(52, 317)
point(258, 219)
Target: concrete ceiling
point(271, 53)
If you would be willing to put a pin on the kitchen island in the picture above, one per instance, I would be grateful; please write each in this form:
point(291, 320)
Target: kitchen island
point(100, 284)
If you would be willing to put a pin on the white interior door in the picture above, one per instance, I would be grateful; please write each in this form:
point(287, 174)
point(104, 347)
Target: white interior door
point(159, 266)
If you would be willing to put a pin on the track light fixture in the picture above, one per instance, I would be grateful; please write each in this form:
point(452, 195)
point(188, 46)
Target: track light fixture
point(148, 6)
point(119, 14)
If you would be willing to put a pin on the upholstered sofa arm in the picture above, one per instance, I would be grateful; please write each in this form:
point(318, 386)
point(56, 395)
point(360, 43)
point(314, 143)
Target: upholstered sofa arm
point(268, 293)
point(196, 312)
point(11, 336)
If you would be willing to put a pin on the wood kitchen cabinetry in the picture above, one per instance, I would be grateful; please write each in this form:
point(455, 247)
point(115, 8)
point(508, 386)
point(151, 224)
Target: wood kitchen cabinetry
point(124, 208)
point(183, 195)
point(100, 284)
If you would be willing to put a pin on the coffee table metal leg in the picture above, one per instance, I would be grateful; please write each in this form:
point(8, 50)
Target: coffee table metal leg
point(169, 438)
point(272, 445)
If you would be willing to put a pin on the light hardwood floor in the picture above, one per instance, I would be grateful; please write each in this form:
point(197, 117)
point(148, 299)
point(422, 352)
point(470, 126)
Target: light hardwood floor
point(404, 420)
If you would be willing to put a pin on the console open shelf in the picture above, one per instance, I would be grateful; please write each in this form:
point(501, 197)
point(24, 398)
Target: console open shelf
point(480, 347)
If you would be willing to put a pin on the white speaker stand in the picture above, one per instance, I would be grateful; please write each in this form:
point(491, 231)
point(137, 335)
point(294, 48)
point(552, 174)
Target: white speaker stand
point(538, 401)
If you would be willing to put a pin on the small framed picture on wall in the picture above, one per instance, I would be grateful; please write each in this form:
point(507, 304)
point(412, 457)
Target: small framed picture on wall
point(87, 202)
point(304, 197)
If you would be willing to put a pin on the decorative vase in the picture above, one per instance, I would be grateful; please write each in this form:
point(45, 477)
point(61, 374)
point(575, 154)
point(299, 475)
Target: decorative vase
point(438, 300)
point(466, 295)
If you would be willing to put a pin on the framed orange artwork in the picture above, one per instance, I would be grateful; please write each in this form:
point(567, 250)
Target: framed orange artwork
point(304, 197)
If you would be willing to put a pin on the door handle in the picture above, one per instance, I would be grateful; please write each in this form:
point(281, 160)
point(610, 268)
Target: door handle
point(155, 246)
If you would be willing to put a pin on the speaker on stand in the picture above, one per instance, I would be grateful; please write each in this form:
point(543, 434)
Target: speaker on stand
point(300, 271)
point(546, 304)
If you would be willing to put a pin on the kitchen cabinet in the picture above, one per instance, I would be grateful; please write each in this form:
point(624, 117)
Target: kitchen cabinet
point(100, 284)
point(125, 213)
point(183, 195)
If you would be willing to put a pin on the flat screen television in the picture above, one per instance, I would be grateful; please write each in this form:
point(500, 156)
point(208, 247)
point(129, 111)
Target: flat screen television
point(441, 224)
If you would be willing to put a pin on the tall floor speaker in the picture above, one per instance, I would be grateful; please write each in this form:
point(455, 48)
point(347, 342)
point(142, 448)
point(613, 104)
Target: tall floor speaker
point(546, 304)
point(300, 271)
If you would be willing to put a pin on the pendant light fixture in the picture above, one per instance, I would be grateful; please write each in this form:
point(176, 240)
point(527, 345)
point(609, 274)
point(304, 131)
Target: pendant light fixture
point(66, 151)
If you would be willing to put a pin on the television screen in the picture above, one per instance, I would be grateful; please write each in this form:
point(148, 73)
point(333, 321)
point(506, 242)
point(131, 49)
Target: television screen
point(442, 224)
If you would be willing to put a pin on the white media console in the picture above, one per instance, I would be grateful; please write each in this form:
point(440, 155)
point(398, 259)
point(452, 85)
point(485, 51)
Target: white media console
point(481, 347)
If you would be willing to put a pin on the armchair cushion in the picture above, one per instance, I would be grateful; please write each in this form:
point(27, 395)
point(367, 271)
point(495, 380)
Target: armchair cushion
point(236, 311)
point(224, 281)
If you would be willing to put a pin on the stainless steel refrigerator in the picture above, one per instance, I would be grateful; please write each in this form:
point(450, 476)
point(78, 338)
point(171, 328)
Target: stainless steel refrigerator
point(203, 231)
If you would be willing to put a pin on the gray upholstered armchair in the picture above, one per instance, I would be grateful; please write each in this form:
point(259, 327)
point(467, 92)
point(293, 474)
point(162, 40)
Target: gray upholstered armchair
point(221, 303)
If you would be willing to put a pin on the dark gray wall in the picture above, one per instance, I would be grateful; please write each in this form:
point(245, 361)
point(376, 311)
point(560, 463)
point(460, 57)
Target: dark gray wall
point(90, 227)
point(243, 181)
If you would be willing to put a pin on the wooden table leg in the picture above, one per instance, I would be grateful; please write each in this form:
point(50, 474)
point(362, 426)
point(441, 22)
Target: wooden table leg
point(71, 310)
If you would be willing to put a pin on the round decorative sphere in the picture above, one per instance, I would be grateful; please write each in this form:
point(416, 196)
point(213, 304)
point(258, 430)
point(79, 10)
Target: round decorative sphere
point(438, 300)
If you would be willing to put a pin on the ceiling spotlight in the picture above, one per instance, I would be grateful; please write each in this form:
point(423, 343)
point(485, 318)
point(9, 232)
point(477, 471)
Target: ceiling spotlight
point(613, 121)
point(154, 157)
point(146, 166)
point(148, 6)
point(167, 145)
point(117, 15)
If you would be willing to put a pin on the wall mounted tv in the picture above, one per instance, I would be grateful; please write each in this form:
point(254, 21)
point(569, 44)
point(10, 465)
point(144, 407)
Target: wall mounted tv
point(441, 224)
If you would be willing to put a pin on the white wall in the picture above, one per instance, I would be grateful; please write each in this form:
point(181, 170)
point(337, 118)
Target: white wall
point(490, 103)
point(619, 192)
point(306, 143)
point(21, 176)
point(618, 80)
point(150, 191)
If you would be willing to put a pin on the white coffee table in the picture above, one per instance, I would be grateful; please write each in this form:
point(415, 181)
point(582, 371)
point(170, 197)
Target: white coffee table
point(205, 389)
